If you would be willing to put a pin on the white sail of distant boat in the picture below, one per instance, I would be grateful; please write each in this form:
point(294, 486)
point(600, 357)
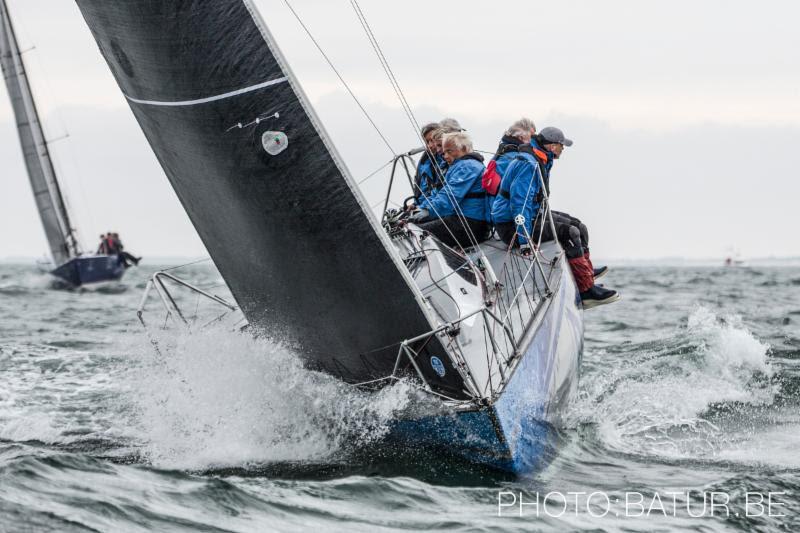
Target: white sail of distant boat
point(46, 191)
point(61, 235)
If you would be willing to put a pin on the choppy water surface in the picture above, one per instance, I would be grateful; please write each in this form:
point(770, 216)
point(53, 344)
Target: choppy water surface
point(690, 385)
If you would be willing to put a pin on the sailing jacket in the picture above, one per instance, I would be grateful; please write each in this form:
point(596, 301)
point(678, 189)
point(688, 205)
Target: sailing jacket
point(505, 153)
point(462, 186)
point(428, 179)
point(518, 193)
point(545, 159)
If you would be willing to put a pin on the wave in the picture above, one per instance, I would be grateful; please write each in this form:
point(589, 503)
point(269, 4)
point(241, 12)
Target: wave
point(24, 283)
point(218, 398)
point(658, 397)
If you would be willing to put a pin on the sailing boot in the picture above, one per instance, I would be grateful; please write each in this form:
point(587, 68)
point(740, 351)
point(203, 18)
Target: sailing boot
point(598, 272)
point(597, 295)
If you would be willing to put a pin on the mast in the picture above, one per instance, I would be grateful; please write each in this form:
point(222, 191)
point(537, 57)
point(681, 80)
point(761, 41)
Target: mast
point(46, 191)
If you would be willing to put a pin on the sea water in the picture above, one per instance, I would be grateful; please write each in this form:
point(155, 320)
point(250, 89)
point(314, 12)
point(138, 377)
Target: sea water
point(686, 419)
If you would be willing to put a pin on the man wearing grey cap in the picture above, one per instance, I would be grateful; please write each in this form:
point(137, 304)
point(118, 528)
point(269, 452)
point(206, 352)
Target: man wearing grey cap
point(570, 231)
point(552, 141)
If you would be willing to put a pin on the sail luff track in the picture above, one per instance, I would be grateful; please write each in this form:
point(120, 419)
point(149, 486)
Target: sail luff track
point(44, 182)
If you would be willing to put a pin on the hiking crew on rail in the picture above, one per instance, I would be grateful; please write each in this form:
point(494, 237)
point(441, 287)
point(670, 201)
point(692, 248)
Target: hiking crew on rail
point(460, 201)
point(458, 213)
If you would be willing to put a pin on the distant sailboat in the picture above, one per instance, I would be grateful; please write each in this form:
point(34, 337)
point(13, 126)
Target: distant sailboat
point(70, 265)
point(494, 337)
point(734, 258)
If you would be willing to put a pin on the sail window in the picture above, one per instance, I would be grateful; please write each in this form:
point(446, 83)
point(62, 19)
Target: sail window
point(274, 142)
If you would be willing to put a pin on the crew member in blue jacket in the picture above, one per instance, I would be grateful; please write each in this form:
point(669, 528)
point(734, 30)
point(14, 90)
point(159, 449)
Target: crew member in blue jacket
point(520, 132)
point(458, 213)
point(432, 166)
point(517, 202)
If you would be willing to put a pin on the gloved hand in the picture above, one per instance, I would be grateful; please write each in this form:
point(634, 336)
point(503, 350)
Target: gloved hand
point(422, 214)
point(525, 249)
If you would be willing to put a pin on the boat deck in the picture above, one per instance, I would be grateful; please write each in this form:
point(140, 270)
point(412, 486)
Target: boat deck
point(486, 324)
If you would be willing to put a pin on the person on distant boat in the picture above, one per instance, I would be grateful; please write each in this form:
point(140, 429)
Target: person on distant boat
point(432, 166)
point(548, 145)
point(111, 244)
point(458, 213)
point(124, 257)
point(103, 248)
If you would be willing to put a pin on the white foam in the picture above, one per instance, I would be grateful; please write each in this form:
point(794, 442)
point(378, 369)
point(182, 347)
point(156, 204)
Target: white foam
point(219, 398)
point(26, 281)
point(775, 446)
point(653, 404)
point(32, 426)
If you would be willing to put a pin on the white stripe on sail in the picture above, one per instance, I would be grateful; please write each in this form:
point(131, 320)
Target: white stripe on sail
point(210, 98)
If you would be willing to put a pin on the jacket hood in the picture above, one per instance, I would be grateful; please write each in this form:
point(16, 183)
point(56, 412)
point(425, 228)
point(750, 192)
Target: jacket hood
point(473, 155)
point(507, 139)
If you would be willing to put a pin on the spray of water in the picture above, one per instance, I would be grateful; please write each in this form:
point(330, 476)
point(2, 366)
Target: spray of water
point(655, 402)
point(216, 398)
point(24, 283)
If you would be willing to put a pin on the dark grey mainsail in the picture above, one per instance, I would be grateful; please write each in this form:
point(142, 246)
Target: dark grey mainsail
point(262, 183)
point(46, 191)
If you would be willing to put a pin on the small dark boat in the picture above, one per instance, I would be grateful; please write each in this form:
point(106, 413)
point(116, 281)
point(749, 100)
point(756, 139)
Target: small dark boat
point(90, 269)
point(72, 267)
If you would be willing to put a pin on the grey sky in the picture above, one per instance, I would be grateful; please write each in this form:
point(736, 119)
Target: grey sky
point(685, 115)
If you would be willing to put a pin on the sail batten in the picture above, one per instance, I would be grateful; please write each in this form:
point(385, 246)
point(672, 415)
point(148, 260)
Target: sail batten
point(209, 98)
point(41, 173)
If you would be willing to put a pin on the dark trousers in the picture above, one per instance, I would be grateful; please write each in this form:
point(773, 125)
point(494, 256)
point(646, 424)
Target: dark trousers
point(564, 218)
point(126, 259)
point(570, 231)
point(572, 234)
point(507, 231)
point(451, 231)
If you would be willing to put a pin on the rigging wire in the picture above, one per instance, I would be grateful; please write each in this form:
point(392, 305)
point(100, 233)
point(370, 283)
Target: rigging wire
point(376, 172)
point(341, 79)
point(372, 122)
point(186, 264)
point(403, 101)
point(409, 113)
point(386, 67)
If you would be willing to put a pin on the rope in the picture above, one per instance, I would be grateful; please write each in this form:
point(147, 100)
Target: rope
point(374, 173)
point(187, 264)
point(341, 79)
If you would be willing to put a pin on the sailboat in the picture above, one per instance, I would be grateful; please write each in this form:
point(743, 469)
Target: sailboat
point(71, 266)
point(492, 337)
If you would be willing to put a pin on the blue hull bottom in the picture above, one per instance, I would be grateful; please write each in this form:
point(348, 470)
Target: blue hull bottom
point(90, 269)
point(479, 437)
point(515, 433)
